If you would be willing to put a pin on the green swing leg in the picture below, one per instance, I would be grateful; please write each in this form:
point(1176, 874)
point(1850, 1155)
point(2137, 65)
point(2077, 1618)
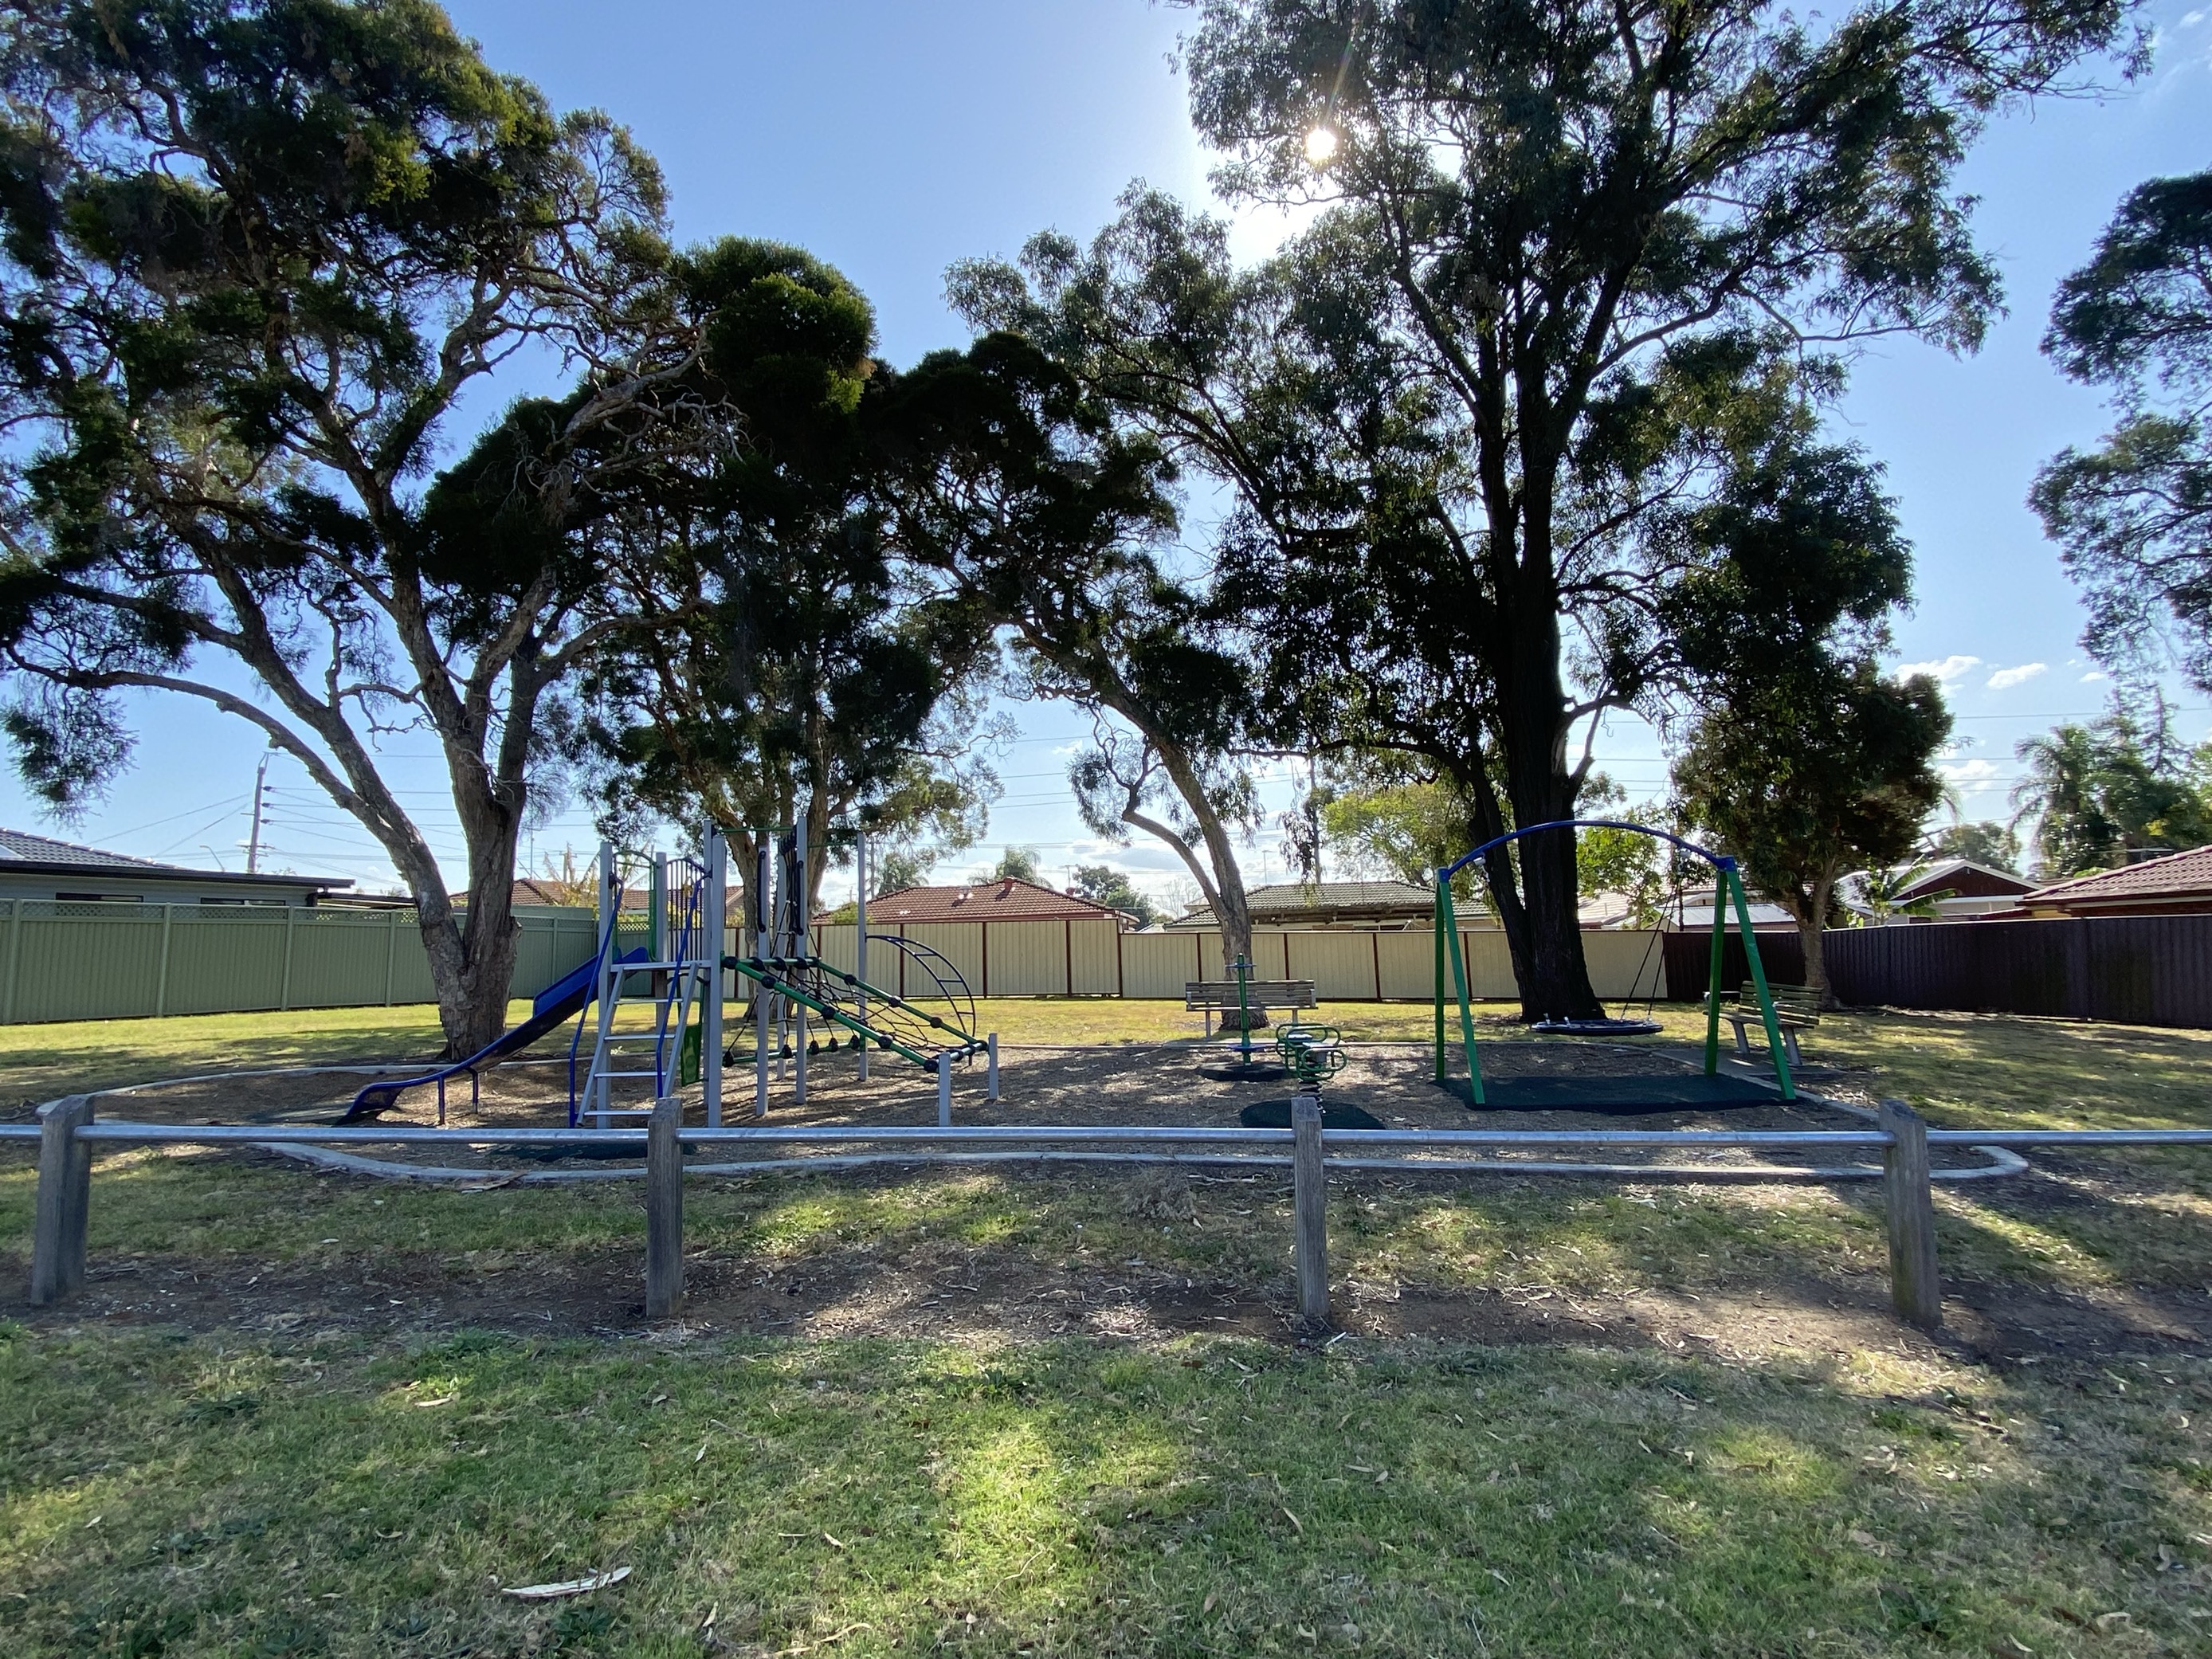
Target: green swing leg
point(1759, 984)
point(1448, 929)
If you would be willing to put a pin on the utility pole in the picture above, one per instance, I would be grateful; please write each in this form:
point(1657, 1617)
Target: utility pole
point(253, 840)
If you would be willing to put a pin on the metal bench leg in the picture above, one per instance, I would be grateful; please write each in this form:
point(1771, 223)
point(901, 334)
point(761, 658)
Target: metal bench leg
point(1742, 1046)
point(1789, 1046)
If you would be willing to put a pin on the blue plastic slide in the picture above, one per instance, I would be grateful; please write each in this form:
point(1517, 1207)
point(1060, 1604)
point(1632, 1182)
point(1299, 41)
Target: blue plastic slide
point(565, 996)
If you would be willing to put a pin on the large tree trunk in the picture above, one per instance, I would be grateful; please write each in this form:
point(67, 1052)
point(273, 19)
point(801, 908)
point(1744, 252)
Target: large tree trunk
point(1554, 978)
point(1812, 919)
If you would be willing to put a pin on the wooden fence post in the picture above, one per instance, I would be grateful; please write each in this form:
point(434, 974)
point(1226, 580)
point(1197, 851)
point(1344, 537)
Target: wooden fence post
point(663, 1210)
point(1309, 1203)
point(1914, 1288)
point(65, 1200)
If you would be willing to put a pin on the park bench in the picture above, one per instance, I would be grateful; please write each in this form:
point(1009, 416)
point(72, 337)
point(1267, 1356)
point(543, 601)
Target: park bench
point(1212, 996)
point(1796, 1008)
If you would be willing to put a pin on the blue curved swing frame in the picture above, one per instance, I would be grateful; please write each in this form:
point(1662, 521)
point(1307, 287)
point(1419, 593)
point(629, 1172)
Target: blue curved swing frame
point(1728, 892)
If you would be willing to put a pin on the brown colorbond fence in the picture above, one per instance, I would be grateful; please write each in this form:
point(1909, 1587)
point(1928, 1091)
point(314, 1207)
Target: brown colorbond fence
point(2136, 971)
point(1690, 962)
point(112, 961)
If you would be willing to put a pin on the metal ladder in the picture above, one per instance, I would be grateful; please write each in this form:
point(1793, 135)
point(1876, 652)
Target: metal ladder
point(654, 1055)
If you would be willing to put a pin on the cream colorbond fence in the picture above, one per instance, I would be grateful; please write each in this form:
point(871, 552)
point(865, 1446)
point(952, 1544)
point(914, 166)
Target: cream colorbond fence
point(1084, 957)
point(132, 961)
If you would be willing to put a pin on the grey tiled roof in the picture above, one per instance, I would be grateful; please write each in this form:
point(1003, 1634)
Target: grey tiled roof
point(17, 846)
point(21, 849)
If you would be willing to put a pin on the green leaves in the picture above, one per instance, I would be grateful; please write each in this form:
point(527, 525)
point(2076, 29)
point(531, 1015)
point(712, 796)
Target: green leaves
point(2133, 515)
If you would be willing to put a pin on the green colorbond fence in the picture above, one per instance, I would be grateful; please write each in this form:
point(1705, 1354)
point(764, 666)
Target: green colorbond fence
point(134, 961)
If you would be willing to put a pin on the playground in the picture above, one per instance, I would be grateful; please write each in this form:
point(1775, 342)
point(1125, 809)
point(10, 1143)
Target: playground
point(1063, 1409)
point(1070, 1395)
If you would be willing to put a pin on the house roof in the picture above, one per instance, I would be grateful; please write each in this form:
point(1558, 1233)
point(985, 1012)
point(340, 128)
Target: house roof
point(1964, 879)
point(1004, 899)
point(2178, 876)
point(1292, 901)
point(28, 855)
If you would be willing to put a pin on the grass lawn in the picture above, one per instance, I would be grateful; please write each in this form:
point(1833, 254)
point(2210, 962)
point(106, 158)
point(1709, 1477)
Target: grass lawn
point(464, 1399)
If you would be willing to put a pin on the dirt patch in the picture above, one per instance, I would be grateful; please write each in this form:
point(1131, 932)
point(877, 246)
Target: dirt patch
point(939, 1289)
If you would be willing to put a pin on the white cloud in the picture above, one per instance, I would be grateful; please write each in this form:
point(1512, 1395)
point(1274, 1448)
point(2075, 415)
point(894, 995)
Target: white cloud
point(1948, 670)
point(2092, 677)
point(2005, 678)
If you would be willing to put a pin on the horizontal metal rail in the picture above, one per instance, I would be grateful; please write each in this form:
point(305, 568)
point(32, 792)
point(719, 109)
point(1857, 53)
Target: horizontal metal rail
point(127, 1132)
point(69, 1132)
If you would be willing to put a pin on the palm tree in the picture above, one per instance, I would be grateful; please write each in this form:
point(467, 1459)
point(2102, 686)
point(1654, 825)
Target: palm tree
point(2062, 791)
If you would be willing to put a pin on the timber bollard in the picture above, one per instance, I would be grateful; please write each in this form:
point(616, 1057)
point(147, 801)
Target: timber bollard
point(65, 1200)
point(663, 1210)
point(1915, 1289)
point(1309, 1187)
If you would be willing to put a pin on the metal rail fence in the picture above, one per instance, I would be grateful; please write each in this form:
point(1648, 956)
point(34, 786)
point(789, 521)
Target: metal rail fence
point(68, 1134)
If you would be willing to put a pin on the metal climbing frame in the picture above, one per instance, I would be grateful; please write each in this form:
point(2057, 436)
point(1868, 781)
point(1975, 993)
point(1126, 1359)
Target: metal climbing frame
point(1727, 894)
point(681, 973)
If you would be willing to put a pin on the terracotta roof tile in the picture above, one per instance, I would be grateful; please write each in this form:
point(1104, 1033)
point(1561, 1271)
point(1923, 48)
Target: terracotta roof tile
point(2177, 875)
point(1003, 899)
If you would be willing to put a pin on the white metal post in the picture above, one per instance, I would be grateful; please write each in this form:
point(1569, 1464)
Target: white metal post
point(711, 907)
point(802, 923)
point(762, 919)
point(861, 936)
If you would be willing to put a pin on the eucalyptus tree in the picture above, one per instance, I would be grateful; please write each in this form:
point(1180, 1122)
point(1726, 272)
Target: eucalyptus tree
point(1022, 491)
point(1344, 561)
point(2134, 514)
point(786, 666)
point(1532, 211)
point(251, 257)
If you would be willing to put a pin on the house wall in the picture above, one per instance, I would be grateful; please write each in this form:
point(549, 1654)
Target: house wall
point(153, 889)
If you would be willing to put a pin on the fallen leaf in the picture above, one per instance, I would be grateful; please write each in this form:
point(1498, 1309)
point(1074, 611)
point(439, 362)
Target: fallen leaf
point(2110, 1620)
point(567, 1587)
point(1295, 1521)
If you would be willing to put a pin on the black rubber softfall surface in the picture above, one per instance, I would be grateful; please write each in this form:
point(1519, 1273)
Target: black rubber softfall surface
point(1617, 1097)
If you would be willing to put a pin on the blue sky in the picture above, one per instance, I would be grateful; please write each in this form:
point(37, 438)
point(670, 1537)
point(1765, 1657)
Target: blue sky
point(891, 139)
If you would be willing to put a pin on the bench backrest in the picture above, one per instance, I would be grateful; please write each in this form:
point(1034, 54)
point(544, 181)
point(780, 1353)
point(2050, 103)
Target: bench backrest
point(1795, 999)
point(1259, 993)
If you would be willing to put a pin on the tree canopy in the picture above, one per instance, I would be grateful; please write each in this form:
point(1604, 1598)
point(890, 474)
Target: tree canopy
point(251, 256)
point(1569, 260)
point(1810, 778)
point(2100, 791)
point(2133, 515)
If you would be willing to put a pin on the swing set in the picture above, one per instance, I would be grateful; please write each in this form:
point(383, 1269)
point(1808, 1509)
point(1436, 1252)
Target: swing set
point(1620, 1094)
